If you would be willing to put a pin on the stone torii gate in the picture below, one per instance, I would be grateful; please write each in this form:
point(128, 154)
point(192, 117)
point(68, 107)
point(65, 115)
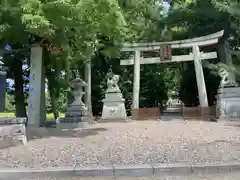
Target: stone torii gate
point(195, 56)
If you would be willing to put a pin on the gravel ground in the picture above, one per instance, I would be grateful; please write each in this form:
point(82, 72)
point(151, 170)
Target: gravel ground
point(129, 143)
point(228, 176)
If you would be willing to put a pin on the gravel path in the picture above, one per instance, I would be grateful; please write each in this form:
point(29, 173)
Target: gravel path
point(128, 143)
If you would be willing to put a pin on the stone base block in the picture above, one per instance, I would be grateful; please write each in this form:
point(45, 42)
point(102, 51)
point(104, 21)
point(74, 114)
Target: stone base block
point(228, 103)
point(90, 119)
point(114, 111)
point(229, 91)
point(146, 114)
point(80, 125)
point(197, 113)
point(75, 114)
point(12, 135)
point(10, 121)
point(113, 96)
point(113, 120)
point(72, 119)
point(36, 132)
point(228, 118)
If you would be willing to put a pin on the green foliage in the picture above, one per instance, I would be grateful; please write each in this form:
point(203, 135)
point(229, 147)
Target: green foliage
point(188, 88)
point(9, 103)
point(76, 26)
point(100, 68)
point(172, 76)
point(126, 85)
point(153, 94)
point(61, 103)
point(231, 6)
point(48, 105)
point(143, 19)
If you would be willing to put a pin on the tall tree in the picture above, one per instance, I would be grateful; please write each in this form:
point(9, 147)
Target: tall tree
point(73, 25)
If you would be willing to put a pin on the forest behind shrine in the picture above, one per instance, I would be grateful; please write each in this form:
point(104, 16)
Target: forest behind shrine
point(73, 32)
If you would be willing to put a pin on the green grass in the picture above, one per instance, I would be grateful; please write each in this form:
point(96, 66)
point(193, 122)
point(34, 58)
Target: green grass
point(51, 116)
point(9, 115)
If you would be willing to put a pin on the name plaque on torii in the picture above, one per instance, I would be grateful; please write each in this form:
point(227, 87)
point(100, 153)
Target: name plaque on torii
point(165, 52)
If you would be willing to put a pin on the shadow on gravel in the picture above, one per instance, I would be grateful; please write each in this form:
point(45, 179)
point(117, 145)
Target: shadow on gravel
point(233, 124)
point(50, 132)
point(214, 143)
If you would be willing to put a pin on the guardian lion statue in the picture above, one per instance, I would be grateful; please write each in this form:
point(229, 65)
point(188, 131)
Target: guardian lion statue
point(112, 84)
point(226, 78)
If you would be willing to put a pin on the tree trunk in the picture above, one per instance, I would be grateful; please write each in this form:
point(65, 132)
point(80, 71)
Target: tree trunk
point(224, 54)
point(69, 97)
point(53, 103)
point(52, 94)
point(18, 85)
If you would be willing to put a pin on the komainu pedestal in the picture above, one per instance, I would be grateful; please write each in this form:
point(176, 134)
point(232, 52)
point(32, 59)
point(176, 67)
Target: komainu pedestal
point(228, 98)
point(76, 115)
point(228, 103)
point(113, 104)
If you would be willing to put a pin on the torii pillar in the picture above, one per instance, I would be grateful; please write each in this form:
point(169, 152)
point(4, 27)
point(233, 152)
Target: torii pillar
point(88, 95)
point(202, 93)
point(136, 80)
point(36, 99)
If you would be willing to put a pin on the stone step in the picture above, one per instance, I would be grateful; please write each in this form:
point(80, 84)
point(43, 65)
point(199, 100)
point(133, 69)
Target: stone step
point(76, 109)
point(112, 100)
point(75, 113)
point(12, 135)
point(73, 125)
point(72, 119)
point(17, 120)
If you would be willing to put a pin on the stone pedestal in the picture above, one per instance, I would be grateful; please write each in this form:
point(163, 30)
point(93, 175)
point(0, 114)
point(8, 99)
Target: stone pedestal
point(228, 103)
point(113, 106)
point(75, 117)
point(12, 132)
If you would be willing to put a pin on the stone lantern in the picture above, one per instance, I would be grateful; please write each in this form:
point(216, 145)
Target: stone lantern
point(76, 114)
